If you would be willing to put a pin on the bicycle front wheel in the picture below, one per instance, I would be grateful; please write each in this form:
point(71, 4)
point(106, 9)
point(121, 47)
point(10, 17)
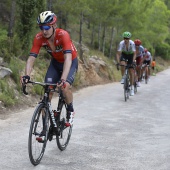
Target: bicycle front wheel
point(38, 134)
point(126, 88)
point(64, 132)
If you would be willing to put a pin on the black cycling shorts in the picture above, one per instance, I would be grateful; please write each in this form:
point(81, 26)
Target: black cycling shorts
point(55, 70)
point(128, 57)
point(147, 62)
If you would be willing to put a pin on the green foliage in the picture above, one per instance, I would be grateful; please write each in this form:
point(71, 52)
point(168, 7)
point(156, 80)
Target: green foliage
point(3, 37)
point(7, 95)
point(41, 65)
point(4, 44)
point(77, 80)
point(36, 88)
point(16, 66)
point(163, 50)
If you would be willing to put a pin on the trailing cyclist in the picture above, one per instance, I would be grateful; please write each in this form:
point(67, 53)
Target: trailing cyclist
point(153, 67)
point(146, 64)
point(139, 55)
point(127, 52)
point(64, 63)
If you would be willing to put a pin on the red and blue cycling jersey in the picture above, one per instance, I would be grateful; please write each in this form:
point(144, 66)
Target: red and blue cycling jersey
point(62, 42)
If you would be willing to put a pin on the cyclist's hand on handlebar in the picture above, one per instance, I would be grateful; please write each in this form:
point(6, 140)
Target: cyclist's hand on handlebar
point(117, 65)
point(25, 79)
point(61, 83)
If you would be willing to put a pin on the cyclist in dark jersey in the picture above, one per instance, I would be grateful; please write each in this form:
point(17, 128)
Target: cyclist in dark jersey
point(64, 62)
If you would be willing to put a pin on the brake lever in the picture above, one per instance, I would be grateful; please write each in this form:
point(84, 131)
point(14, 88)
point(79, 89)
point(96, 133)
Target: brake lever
point(24, 89)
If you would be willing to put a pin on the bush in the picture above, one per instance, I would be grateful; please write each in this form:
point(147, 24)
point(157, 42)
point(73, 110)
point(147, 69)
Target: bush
point(163, 50)
point(7, 95)
point(16, 66)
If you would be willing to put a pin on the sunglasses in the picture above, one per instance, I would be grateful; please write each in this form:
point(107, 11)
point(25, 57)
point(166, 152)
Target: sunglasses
point(126, 38)
point(45, 27)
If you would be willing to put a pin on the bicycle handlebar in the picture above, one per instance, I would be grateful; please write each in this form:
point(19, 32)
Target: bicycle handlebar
point(33, 83)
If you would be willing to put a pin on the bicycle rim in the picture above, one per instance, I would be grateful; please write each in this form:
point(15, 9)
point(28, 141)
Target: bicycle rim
point(64, 132)
point(38, 134)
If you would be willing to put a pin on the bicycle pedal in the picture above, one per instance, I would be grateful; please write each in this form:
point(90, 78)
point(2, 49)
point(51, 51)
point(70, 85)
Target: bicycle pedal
point(39, 139)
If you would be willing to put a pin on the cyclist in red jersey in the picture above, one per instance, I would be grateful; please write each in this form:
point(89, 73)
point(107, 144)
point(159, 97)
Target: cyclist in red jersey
point(139, 56)
point(64, 62)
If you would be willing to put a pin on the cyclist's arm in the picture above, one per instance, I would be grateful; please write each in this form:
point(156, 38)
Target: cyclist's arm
point(67, 65)
point(143, 59)
point(29, 65)
point(134, 56)
point(118, 56)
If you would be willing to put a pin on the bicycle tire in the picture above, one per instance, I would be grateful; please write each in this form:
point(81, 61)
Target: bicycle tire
point(125, 88)
point(128, 87)
point(135, 87)
point(64, 132)
point(38, 134)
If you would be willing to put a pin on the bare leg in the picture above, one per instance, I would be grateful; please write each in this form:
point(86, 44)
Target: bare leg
point(131, 71)
point(122, 63)
point(68, 94)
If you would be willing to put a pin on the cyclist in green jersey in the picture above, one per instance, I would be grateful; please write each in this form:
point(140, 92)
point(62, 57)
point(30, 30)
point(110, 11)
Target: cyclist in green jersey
point(127, 52)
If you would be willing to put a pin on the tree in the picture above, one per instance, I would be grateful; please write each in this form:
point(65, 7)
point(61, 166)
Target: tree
point(26, 22)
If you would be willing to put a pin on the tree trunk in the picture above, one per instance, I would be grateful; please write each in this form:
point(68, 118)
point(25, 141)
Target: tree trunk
point(104, 38)
point(99, 30)
point(81, 24)
point(61, 17)
point(11, 23)
point(92, 36)
point(111, 43)
point(49, 5)
point(80, 41)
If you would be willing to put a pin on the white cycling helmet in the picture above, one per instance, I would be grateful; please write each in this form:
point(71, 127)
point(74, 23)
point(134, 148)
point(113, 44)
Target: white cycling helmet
point(46, 17)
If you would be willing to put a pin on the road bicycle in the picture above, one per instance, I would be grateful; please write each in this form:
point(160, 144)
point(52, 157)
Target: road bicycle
point(126, 86)
point(47, 123)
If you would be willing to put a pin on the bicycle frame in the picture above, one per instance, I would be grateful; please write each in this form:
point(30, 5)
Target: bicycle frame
point(45, 100)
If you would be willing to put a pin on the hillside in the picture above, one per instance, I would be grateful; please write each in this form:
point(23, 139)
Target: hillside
point(95, 71)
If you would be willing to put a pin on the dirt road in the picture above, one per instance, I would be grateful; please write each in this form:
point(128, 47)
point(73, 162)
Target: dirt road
point(108, 133)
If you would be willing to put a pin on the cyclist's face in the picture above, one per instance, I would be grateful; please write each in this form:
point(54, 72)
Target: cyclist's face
point(126, 40)
point(46, 30)
point(137, 46)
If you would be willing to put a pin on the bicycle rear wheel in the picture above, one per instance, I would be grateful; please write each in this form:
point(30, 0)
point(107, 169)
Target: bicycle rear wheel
point(38, 134)
point(135, 87)
point(64, 132)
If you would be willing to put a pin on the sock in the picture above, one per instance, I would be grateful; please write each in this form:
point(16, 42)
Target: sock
point(70, 107)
